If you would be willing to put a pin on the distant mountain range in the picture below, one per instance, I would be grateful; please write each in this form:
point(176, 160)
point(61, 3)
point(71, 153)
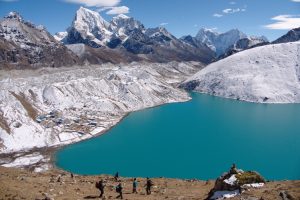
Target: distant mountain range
point(125, 33)
point(91, 39)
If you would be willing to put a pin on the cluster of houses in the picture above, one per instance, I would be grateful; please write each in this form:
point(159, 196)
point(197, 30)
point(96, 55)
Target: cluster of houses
point(55, 118)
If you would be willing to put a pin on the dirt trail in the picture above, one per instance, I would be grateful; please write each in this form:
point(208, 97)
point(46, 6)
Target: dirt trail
point(22, 184)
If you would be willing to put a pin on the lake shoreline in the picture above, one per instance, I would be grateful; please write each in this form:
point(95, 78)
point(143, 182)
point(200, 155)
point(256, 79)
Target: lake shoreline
point(49, 152)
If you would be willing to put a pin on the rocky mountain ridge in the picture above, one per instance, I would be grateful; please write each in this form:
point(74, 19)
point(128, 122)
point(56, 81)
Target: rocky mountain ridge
point(25, 45)
point(125, 33)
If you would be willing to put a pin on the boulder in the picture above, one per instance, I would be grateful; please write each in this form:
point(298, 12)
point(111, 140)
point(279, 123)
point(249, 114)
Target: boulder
point(235, 180)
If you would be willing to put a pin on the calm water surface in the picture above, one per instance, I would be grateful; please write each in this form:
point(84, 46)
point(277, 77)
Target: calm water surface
point(197, 139)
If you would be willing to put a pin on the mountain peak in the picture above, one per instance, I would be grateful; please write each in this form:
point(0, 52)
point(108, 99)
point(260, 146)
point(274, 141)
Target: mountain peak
point(208, 30)
point(235, 31)
point(291, 36)
point(121, 16)
point(88, 20)
point(82, 11)
point(14, 15)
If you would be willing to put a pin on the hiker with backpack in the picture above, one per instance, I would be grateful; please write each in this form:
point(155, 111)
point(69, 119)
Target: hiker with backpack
point(134, 186)
point(148, 185)
point(100, 185)
point(119, 189)
point(116, 176)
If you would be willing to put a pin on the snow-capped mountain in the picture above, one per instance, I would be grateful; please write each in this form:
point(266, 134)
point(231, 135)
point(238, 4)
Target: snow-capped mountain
point(127, 33)
point(267, 74)
point(292, 36)
point(208, 37)
point(28, 45)
point(88, 27)
point(243, 44)
point(218, 42)
point(122, 26)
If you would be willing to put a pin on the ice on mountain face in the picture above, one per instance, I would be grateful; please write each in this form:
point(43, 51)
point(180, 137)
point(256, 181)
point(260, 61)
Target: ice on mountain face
point(219, 42)
point(267, 74)
point(50, 107)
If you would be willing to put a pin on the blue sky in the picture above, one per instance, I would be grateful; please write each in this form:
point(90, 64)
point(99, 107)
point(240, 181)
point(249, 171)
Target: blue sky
point(271, 18)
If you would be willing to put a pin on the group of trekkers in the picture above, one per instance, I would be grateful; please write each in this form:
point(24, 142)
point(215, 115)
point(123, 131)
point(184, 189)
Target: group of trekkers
point(119, 187)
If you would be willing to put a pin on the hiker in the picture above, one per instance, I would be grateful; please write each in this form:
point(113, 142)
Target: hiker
point(233, 169)
point(100, 185)
point(148, 185)
point(119, 189)
point(117, 176)
point(134, 186)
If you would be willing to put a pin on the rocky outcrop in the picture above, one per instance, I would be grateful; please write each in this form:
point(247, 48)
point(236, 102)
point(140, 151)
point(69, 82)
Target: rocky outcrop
point(233, 182)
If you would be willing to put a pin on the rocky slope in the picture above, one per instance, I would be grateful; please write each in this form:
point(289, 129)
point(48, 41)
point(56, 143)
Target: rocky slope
point(292, 36)
point(126, 34)
point(268, 74)
point(53, 107)
point(24, 45)
point(22, 184)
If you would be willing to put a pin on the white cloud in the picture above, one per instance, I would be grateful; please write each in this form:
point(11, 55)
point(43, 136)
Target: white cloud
point(96, 3)
point(285, 22)
point(163, 24)
point(217, 15)
point(118, 10)
point(233, 10)
point(232, 2)
point(296, 0)
point(8, 0)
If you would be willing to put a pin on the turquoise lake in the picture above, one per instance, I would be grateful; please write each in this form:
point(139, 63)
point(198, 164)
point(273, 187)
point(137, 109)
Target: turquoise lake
point(196, 139)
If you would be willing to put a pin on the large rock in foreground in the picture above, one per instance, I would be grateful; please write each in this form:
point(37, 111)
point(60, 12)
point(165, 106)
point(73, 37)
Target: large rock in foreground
point(233, 183)
point(268, 74)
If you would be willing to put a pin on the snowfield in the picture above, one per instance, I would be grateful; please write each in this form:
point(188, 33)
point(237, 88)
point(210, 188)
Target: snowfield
point(267, 74)
point(53, 107)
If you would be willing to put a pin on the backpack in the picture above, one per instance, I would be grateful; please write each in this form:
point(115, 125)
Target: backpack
point(97, 185)
point(118, 189)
